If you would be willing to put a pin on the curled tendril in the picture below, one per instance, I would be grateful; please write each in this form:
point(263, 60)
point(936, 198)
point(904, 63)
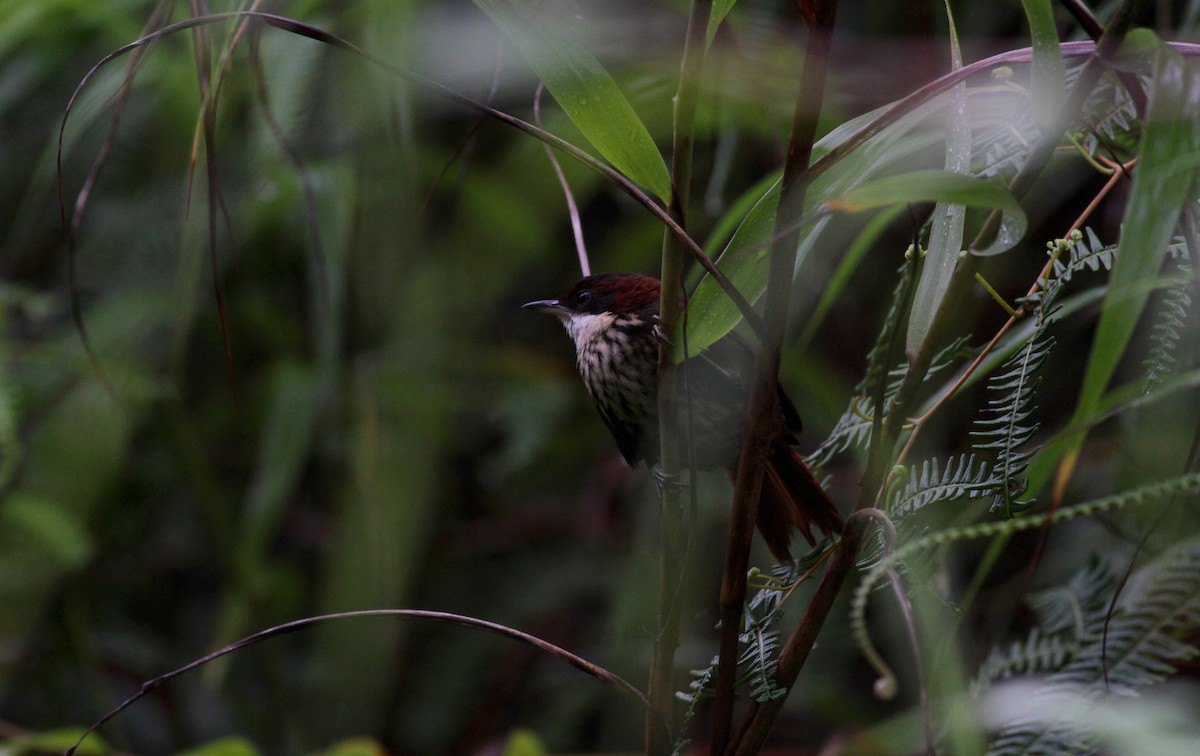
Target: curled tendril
point(1181, 485)
point(858, 622)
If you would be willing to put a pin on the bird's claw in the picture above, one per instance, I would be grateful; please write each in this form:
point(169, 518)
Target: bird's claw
point(658, 331)
point(669, 482)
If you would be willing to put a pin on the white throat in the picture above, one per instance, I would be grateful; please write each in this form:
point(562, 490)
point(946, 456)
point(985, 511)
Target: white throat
point(586, 330)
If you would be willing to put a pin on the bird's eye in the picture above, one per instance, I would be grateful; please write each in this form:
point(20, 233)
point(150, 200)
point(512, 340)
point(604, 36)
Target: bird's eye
point(583, 298)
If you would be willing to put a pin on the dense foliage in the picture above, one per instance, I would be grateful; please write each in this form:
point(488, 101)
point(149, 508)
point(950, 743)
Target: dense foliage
point(266, 362)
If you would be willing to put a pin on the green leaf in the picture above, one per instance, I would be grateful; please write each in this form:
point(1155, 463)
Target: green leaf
point(1047, 79)
point(749, 247)
point(941, 186)
point(56, 741)
point(356, 747)
point(231, 746)
point(720, 9)
point(926, 186)
point(946, 231)
point(711, 314)
point(587, 94)
point(45, 523)
point(524, 742)
point(1170, 142)
point(287, 437)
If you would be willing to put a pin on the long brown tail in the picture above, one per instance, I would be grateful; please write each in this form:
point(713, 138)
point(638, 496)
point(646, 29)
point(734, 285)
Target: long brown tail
point(792, 498)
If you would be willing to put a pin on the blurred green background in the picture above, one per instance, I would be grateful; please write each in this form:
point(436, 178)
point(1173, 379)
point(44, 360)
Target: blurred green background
point(391, 430)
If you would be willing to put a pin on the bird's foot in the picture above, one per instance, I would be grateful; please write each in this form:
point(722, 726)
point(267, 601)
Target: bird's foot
point(675, 482)
point(659, 333)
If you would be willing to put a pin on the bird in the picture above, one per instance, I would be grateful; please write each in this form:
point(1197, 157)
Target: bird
point(613, 320)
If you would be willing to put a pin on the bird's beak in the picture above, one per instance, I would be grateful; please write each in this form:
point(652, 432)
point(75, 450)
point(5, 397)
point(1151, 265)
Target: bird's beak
point(548, 306)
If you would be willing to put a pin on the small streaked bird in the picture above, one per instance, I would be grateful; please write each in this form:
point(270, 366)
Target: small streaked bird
point(611, 318)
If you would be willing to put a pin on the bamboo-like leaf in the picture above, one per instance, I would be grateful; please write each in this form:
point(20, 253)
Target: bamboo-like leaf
point(939, 186)
point(946, 232)
point(711, 315)
point(1170, 142)
point(720, 9)
point(1047, 79)
point(586, 93)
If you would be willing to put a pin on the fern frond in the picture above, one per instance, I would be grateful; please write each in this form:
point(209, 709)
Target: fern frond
point(757, 664)
point(1006, 128)
point(1037, 654)
point(852, 430)
point(1110, 111)
point(1008, 429)
point(1166, 333)
point(1144, 639)
point(1143, 645)
point(1080, 604)
point(930, 483)
point(1086, 253)
point(1184, 485)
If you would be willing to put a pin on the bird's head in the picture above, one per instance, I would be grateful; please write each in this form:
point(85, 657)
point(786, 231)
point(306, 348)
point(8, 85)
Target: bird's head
point(597, 303)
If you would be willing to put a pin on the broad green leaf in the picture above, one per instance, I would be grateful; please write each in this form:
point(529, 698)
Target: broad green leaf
point(586, 93)
point(1047, 79)
point(720, 9)
point(711, 314)
point(1166, 168)
point(926, 186)
point(749, 247)
point(946, 231)
point(729, 223)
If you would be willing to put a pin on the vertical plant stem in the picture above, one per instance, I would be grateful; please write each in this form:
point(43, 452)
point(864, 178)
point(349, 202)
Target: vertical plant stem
point(661, 688)
point(755, 725)
point(760, 423)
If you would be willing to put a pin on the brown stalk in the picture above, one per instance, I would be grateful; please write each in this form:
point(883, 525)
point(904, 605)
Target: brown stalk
point(79, 210)
point(1090, 24)
point(294, 156)
point(202, 43)
point(760, 423)
point(756, 724)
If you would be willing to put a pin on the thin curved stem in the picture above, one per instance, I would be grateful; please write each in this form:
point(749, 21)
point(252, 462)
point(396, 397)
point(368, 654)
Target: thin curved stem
point(307, 30)
point(616, 682)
